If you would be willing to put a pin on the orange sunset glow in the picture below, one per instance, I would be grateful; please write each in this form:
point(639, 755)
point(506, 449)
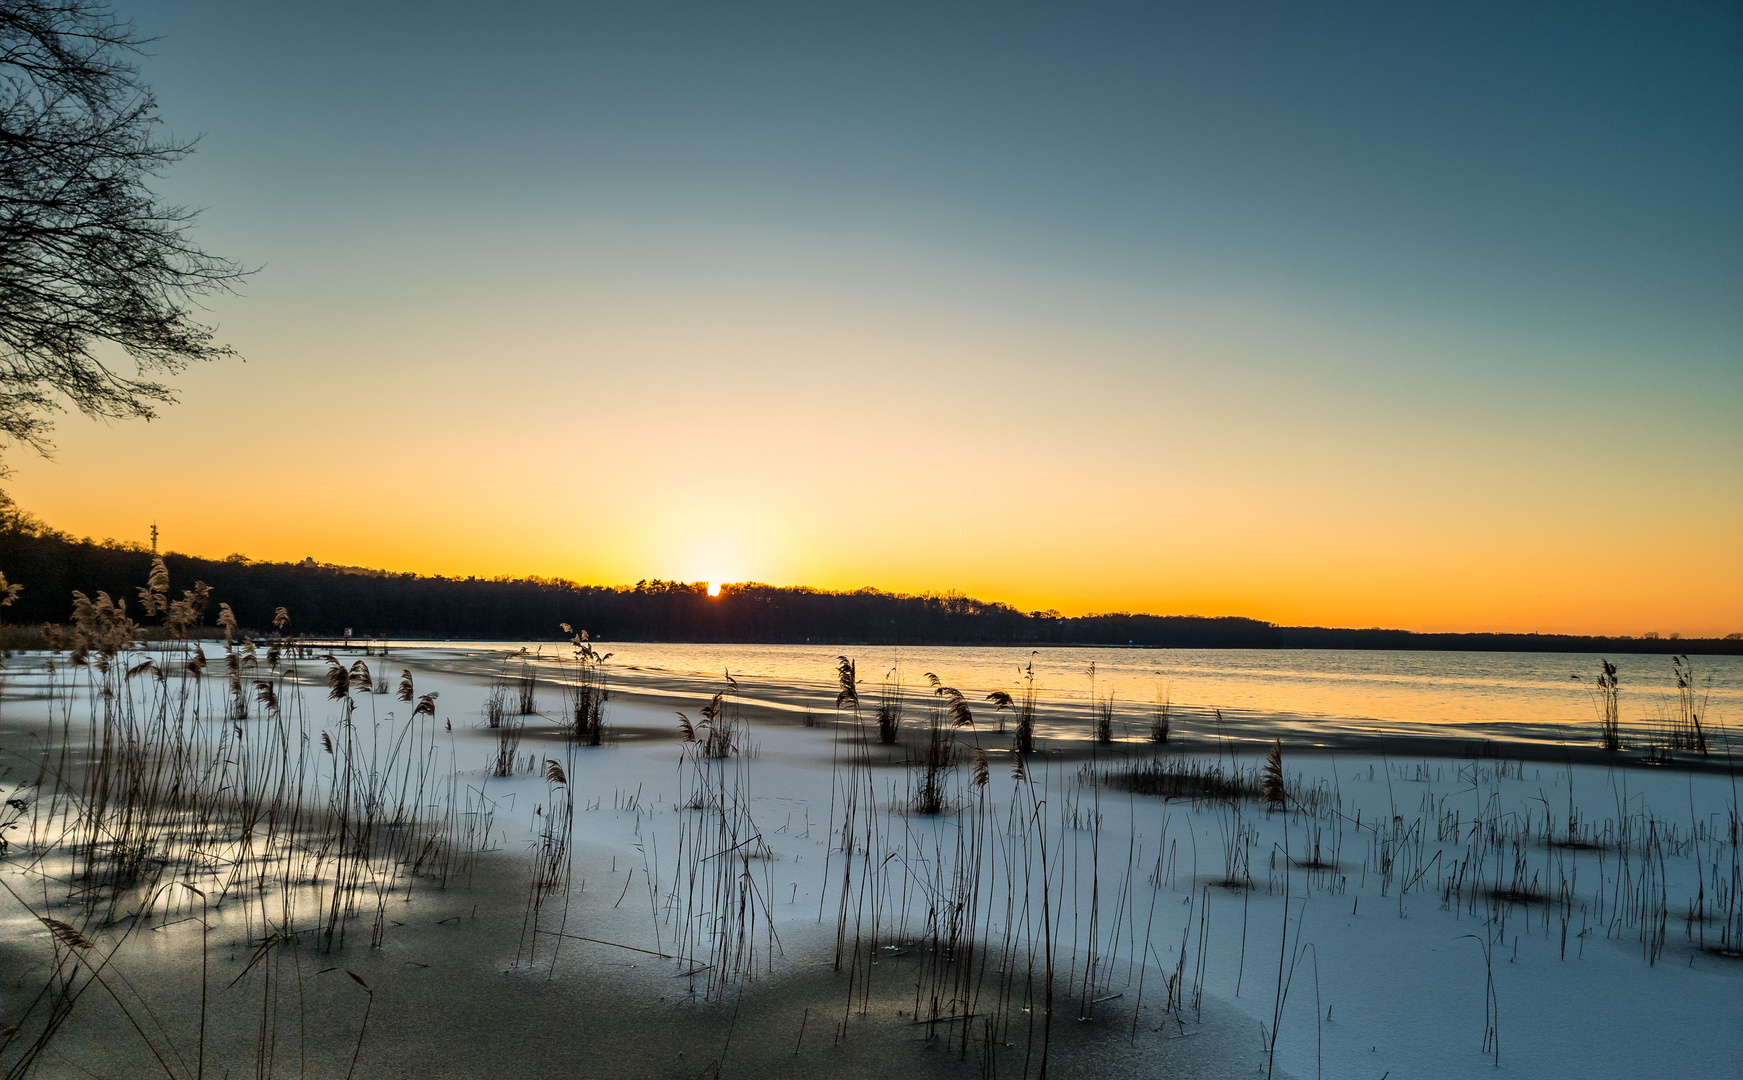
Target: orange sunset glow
point(1093, 399)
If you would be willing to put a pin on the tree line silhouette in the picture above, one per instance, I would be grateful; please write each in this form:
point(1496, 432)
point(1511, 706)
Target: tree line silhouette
point(325, 600)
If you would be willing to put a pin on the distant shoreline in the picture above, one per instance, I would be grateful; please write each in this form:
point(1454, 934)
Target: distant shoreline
point(1549, 644)
point(324, 601)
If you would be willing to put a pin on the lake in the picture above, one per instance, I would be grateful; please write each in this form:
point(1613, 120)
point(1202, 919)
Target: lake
point(1493, 694)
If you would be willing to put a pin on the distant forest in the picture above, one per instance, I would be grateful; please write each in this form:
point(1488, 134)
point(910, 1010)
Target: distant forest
point(324, 600)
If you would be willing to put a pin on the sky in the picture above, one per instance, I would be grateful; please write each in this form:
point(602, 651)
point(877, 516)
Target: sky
point(1362, 314)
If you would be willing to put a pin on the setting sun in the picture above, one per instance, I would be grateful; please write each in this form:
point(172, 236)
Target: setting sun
point(714, 588)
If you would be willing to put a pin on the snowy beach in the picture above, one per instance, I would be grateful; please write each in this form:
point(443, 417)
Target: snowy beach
point(777, 901)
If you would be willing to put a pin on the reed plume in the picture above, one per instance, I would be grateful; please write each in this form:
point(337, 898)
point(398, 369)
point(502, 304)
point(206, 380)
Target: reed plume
point(238, 699)
point(338, 679)
point(1001, 701)
point(955, 705)
point(154, 595)
point(714, 732)
point(187, 612)
point(102, 624)
point(849, 682)
point(1271, 783)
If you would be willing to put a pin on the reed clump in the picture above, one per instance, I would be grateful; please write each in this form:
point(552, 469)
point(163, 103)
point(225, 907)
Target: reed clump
point(938, 756)
point(505, 755)
point(527, 689)
point(1161, 716)
point(587, 689)
point(890, 704)
point(154, 802)
point(1194, 781)
point(714, 736)
point(1687, 731)
point(1104, 719)
point(935, 762)
point(1607, 695)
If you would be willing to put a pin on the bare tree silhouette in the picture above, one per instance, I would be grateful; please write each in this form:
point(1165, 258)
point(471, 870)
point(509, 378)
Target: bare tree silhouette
point(96, 272)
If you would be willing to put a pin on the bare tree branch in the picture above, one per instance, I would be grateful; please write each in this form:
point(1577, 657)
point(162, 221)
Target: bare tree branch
point(90, 259)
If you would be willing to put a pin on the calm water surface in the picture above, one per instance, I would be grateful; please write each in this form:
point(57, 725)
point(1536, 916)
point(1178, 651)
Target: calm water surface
point(1526, 694)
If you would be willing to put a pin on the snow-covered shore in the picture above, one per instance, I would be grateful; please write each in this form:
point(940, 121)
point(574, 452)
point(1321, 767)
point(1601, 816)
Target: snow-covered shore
point(1402, 914)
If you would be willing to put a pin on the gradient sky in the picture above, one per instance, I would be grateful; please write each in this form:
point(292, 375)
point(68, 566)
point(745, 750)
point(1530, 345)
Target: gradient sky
point(1352, 314)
